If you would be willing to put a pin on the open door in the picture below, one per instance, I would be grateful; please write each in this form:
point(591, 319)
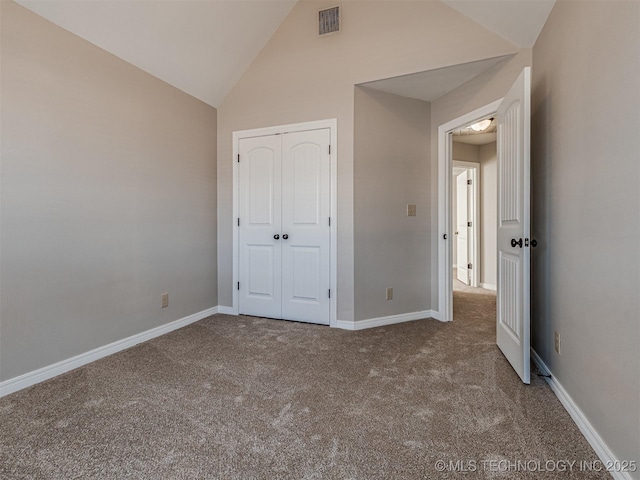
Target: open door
point(514, 203)
point(462, 229)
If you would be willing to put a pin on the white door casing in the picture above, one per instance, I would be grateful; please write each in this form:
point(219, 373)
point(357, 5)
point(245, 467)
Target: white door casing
point(332, 126)
point(284, 234)
point(462, 237)
point(514, 203)
point(445, 185)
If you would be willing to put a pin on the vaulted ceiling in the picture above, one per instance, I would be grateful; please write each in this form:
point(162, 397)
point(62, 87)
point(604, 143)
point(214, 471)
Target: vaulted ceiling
point(203, 47)
point(519, 21)
point(200, 47)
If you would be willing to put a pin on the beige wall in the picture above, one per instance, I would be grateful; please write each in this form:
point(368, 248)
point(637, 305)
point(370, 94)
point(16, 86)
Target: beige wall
point(391, 170)
point(585, 176)
point(487, 155)
point(464, 152)
point(108, 196)
point(299, 77)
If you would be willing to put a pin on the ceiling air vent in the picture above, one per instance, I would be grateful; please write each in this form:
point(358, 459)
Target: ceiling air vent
point(329, 21)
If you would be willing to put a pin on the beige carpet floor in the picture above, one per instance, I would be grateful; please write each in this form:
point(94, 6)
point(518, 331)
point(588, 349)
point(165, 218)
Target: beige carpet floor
point(241, 398)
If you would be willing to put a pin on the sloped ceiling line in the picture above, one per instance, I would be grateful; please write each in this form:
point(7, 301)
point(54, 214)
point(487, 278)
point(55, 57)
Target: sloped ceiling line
point(200, 47)
point(204, 47)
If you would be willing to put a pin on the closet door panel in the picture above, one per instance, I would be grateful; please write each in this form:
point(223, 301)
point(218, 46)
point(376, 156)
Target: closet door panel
point(260, 252)
point(305, 226)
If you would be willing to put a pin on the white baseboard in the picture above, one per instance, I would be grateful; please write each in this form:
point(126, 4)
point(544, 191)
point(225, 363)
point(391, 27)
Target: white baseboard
point(45, 373)
point(390, 320)
point(488, 286)
point(605, 455)
point(371, 322)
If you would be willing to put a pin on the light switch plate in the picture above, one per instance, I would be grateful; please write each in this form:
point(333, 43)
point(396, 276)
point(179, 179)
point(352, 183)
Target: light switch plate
point(389, 293)
point(165, 300)
point(411, 210)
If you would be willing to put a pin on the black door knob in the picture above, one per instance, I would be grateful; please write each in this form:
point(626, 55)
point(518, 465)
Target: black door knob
point(534, 242)
point(285, 236)
point(276, 236)
point(515, 243)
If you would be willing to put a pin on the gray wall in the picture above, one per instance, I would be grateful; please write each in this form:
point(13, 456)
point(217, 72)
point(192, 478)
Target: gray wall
point(487, 154)
point(391, 169)
point(299, 77)
point(586, 204)
point(108, 197)
point(464, 152)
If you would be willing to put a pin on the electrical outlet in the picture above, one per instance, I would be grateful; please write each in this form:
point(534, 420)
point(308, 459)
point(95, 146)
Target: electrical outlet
point(557, 342)
point(411, 210)
point(389, 293)
point(165, 300)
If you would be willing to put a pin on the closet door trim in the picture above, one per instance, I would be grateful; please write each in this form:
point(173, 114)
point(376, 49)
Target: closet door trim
point(332, 125)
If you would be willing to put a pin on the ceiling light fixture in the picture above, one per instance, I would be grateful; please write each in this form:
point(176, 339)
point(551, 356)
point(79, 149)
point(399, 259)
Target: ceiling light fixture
point(481, 125)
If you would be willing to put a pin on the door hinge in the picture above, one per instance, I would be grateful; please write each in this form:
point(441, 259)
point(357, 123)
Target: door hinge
point(468, 224)
point(238, 158)
point(238, 221)
point(329, 293)
point(238, 285)
point(329, 221)
point(329, 149)
point(469, 266)
point(468, 182)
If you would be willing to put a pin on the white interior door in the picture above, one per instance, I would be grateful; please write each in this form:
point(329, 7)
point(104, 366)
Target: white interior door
point(306, 207)
point(462, 235)
point(284, 206)
point(259, 203)
point(513, 295)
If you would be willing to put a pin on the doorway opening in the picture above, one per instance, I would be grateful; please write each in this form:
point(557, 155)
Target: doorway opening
point(465, 220)
point(474, 208)
point(459, 154)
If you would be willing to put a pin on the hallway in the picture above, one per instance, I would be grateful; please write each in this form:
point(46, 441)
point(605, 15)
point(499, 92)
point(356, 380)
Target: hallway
point(470, 303)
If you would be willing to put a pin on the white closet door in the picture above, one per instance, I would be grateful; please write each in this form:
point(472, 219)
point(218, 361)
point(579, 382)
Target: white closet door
point(512, 329)
point(260, 291)
point(305, 240)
